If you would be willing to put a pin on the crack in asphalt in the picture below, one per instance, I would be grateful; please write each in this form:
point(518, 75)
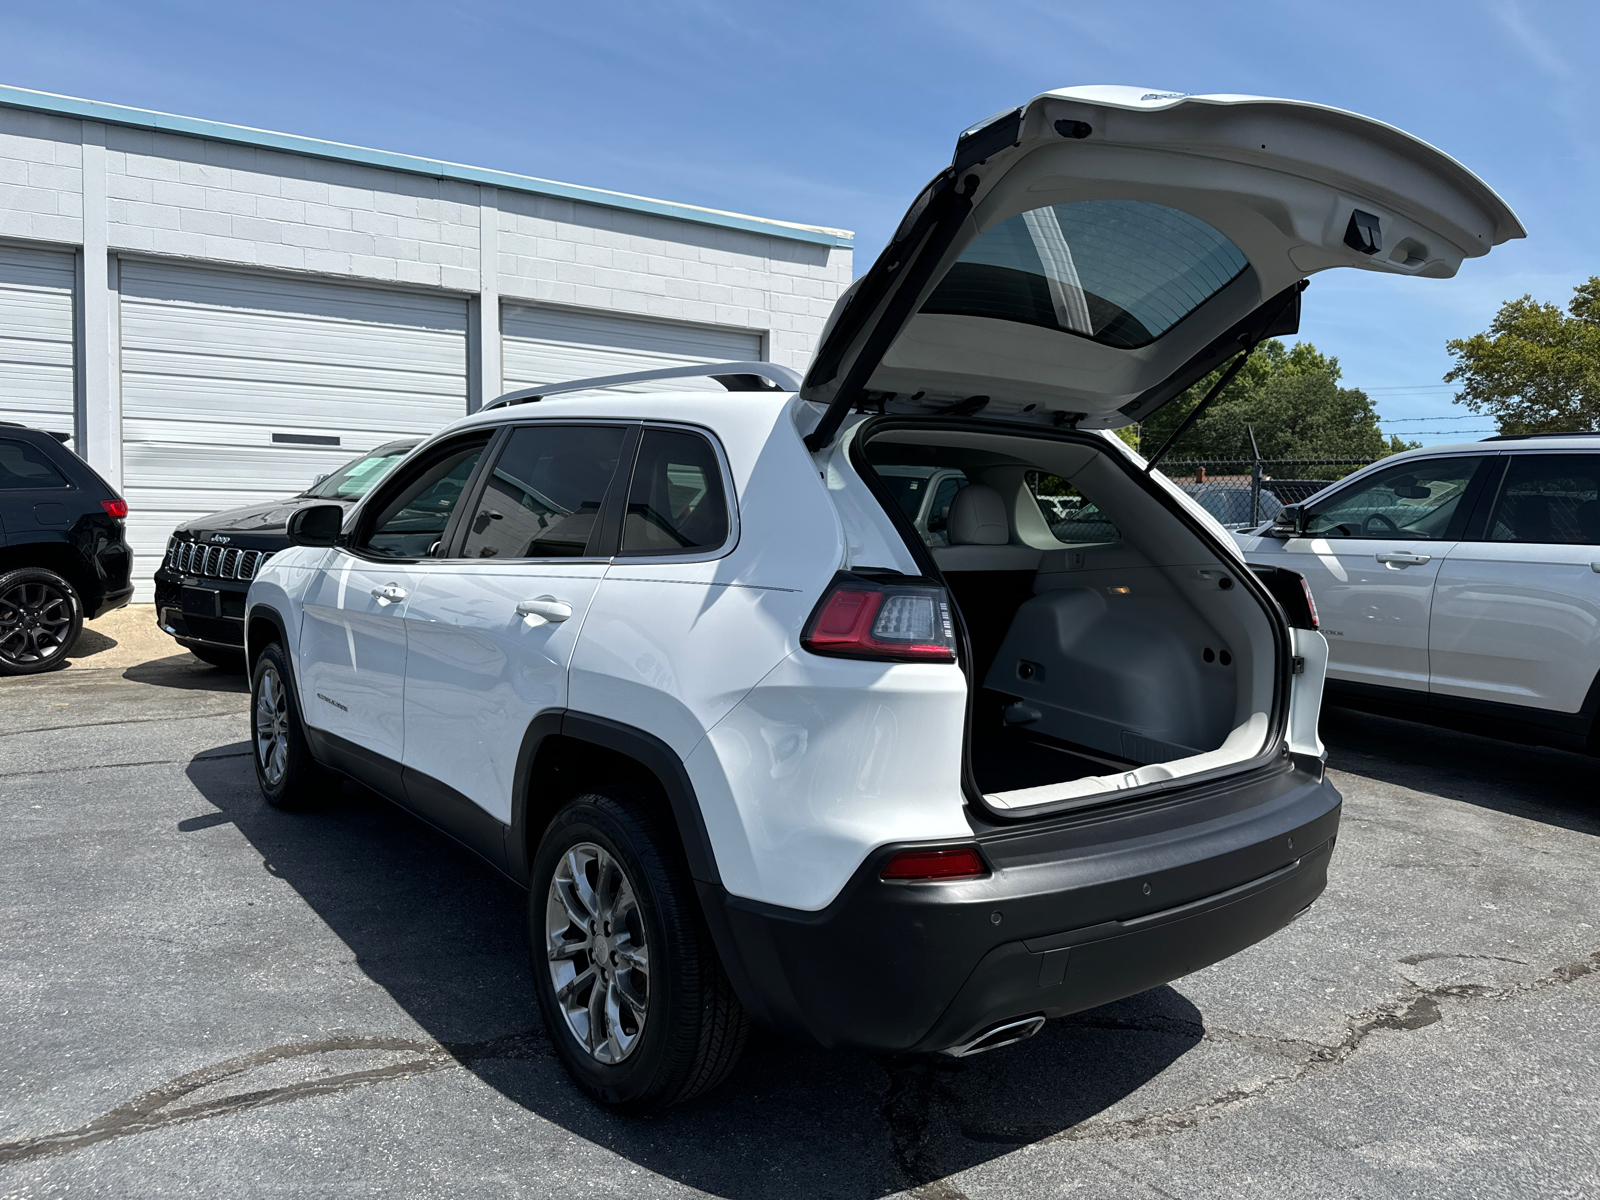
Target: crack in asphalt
point(161, 1107)
point(916, 1085)
point(232, 712)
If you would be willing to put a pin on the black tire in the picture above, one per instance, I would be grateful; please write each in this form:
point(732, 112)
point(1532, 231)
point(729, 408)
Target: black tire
point(287, 774)
point(41, 617)
point(693, 1029)
point(231, 661)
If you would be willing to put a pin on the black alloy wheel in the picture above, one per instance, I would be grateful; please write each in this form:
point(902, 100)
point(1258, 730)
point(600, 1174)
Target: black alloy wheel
point(40, 619)
point(633, 995)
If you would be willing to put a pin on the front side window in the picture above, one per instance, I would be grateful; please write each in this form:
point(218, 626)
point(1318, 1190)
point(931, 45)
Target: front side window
point(676, 504)
point(1121, 272)
point(543, 497)
point(1073, 518)
point(1412, 500)
point(1549, 498)
point(24, 467)
point(411, 520)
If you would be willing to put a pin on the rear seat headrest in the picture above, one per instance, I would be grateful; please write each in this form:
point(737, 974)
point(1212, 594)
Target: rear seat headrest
point(978, 517)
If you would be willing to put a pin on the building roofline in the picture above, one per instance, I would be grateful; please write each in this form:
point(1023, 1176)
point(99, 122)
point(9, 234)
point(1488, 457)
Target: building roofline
point(243, 135)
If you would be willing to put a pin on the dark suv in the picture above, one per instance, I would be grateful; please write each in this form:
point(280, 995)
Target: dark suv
point(63, 557)
point(210, 561)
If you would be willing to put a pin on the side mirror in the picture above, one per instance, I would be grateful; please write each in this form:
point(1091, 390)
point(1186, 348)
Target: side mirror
point(938, 522)
point(1289, 523)
point(317, 525)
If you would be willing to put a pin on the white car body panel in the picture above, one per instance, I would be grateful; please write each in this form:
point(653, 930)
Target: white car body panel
point(1517, 623)
point(822, 762)
point(352, 652)
point(478, 672)
point(1374, 614)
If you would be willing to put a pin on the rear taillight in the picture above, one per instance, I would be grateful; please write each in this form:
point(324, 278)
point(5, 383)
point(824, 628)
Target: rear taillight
point(115, 508)
point(894, 622)
point(959, 863)
point(1292, 592)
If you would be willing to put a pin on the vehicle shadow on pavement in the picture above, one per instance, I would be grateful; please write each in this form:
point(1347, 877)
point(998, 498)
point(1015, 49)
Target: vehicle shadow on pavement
point(443, 935)
point(188, 673)
point(1536, 782)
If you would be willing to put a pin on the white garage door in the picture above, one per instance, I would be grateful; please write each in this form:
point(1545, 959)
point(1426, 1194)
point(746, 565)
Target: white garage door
point(238, 388)
point(36, 381)
point(549, 345)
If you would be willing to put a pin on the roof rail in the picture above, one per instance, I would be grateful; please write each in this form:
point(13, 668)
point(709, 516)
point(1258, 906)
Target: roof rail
point(735, 376)
point(1519, 437)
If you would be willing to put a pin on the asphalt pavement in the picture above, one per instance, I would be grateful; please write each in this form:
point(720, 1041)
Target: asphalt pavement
point(202, 996)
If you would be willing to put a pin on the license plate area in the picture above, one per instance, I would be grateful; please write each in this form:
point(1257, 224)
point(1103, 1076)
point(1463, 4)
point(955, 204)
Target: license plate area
point(202, 602)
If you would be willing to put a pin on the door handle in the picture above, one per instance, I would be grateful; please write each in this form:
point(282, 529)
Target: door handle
point(552, 610)
point(390, 593)
point(1403, 558)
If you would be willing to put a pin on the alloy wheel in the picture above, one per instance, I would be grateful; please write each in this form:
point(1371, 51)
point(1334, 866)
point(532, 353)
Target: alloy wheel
point(598, 954)
point(272, 726)
point(35, 621)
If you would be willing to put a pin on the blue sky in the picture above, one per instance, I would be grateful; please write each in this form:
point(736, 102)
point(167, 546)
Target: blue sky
point(836, 114)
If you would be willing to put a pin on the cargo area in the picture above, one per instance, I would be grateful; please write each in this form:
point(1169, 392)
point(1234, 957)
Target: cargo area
point(1110, 647)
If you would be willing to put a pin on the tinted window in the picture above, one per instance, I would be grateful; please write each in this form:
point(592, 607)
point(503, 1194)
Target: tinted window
point(412, 519)
point(543, 497)
point(1412, 500)
point(1071, 515)
point(676, 504)
point(1122, 272)
point(24, 466)
point(908, 491)
point(1548, 498)
point(939, 512)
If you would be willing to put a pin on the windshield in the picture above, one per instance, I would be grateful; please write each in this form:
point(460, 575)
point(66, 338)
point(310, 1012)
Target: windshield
point(355, 479)
point(1122, 272)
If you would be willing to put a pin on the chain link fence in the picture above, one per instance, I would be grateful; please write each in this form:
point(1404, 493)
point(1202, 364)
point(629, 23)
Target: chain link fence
point(1243, 493)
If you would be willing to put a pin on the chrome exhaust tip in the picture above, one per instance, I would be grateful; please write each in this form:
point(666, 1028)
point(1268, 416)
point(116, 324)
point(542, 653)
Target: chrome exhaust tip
point(1003, 1034)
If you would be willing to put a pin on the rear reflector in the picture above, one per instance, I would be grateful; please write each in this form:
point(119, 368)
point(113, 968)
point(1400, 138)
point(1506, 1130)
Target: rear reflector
point(115, 508)
point(960, 863)
point(894, 622)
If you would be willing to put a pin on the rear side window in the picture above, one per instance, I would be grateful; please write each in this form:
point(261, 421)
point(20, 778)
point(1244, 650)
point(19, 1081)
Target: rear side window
point(676, 504)
point(1549, 498)
point(544, 493)
point(1072, 516)
point(25, 468)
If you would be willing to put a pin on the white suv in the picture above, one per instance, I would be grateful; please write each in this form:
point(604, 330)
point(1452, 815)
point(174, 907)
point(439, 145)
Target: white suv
point(683, 663)
point(1460, 584)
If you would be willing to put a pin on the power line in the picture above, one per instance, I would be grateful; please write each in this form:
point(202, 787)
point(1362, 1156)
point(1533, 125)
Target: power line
point(1462, 417)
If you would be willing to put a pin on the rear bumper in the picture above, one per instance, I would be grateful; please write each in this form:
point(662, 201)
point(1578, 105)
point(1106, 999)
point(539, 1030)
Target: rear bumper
point(109, 602)
point(1074, 914)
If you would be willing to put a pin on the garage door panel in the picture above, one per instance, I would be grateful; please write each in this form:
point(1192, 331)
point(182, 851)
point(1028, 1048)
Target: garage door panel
point(286, 296)
point(180, 341)
point(214, 363)
point(549, 345)
point(36, 337)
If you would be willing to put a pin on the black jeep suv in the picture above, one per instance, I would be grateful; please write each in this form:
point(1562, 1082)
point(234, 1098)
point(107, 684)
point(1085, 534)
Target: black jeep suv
point(210, 561)
point(63, 557)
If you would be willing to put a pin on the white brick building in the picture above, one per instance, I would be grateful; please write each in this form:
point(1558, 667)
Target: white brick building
point(218, 314)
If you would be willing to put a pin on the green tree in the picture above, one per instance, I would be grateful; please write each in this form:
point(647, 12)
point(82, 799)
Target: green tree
point(1290, 398)
point(1536, 370)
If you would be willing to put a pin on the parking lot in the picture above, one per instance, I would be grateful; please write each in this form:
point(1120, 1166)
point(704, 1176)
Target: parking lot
point(201, 995)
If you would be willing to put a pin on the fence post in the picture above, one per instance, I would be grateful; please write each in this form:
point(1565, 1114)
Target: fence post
point(1255, 493)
